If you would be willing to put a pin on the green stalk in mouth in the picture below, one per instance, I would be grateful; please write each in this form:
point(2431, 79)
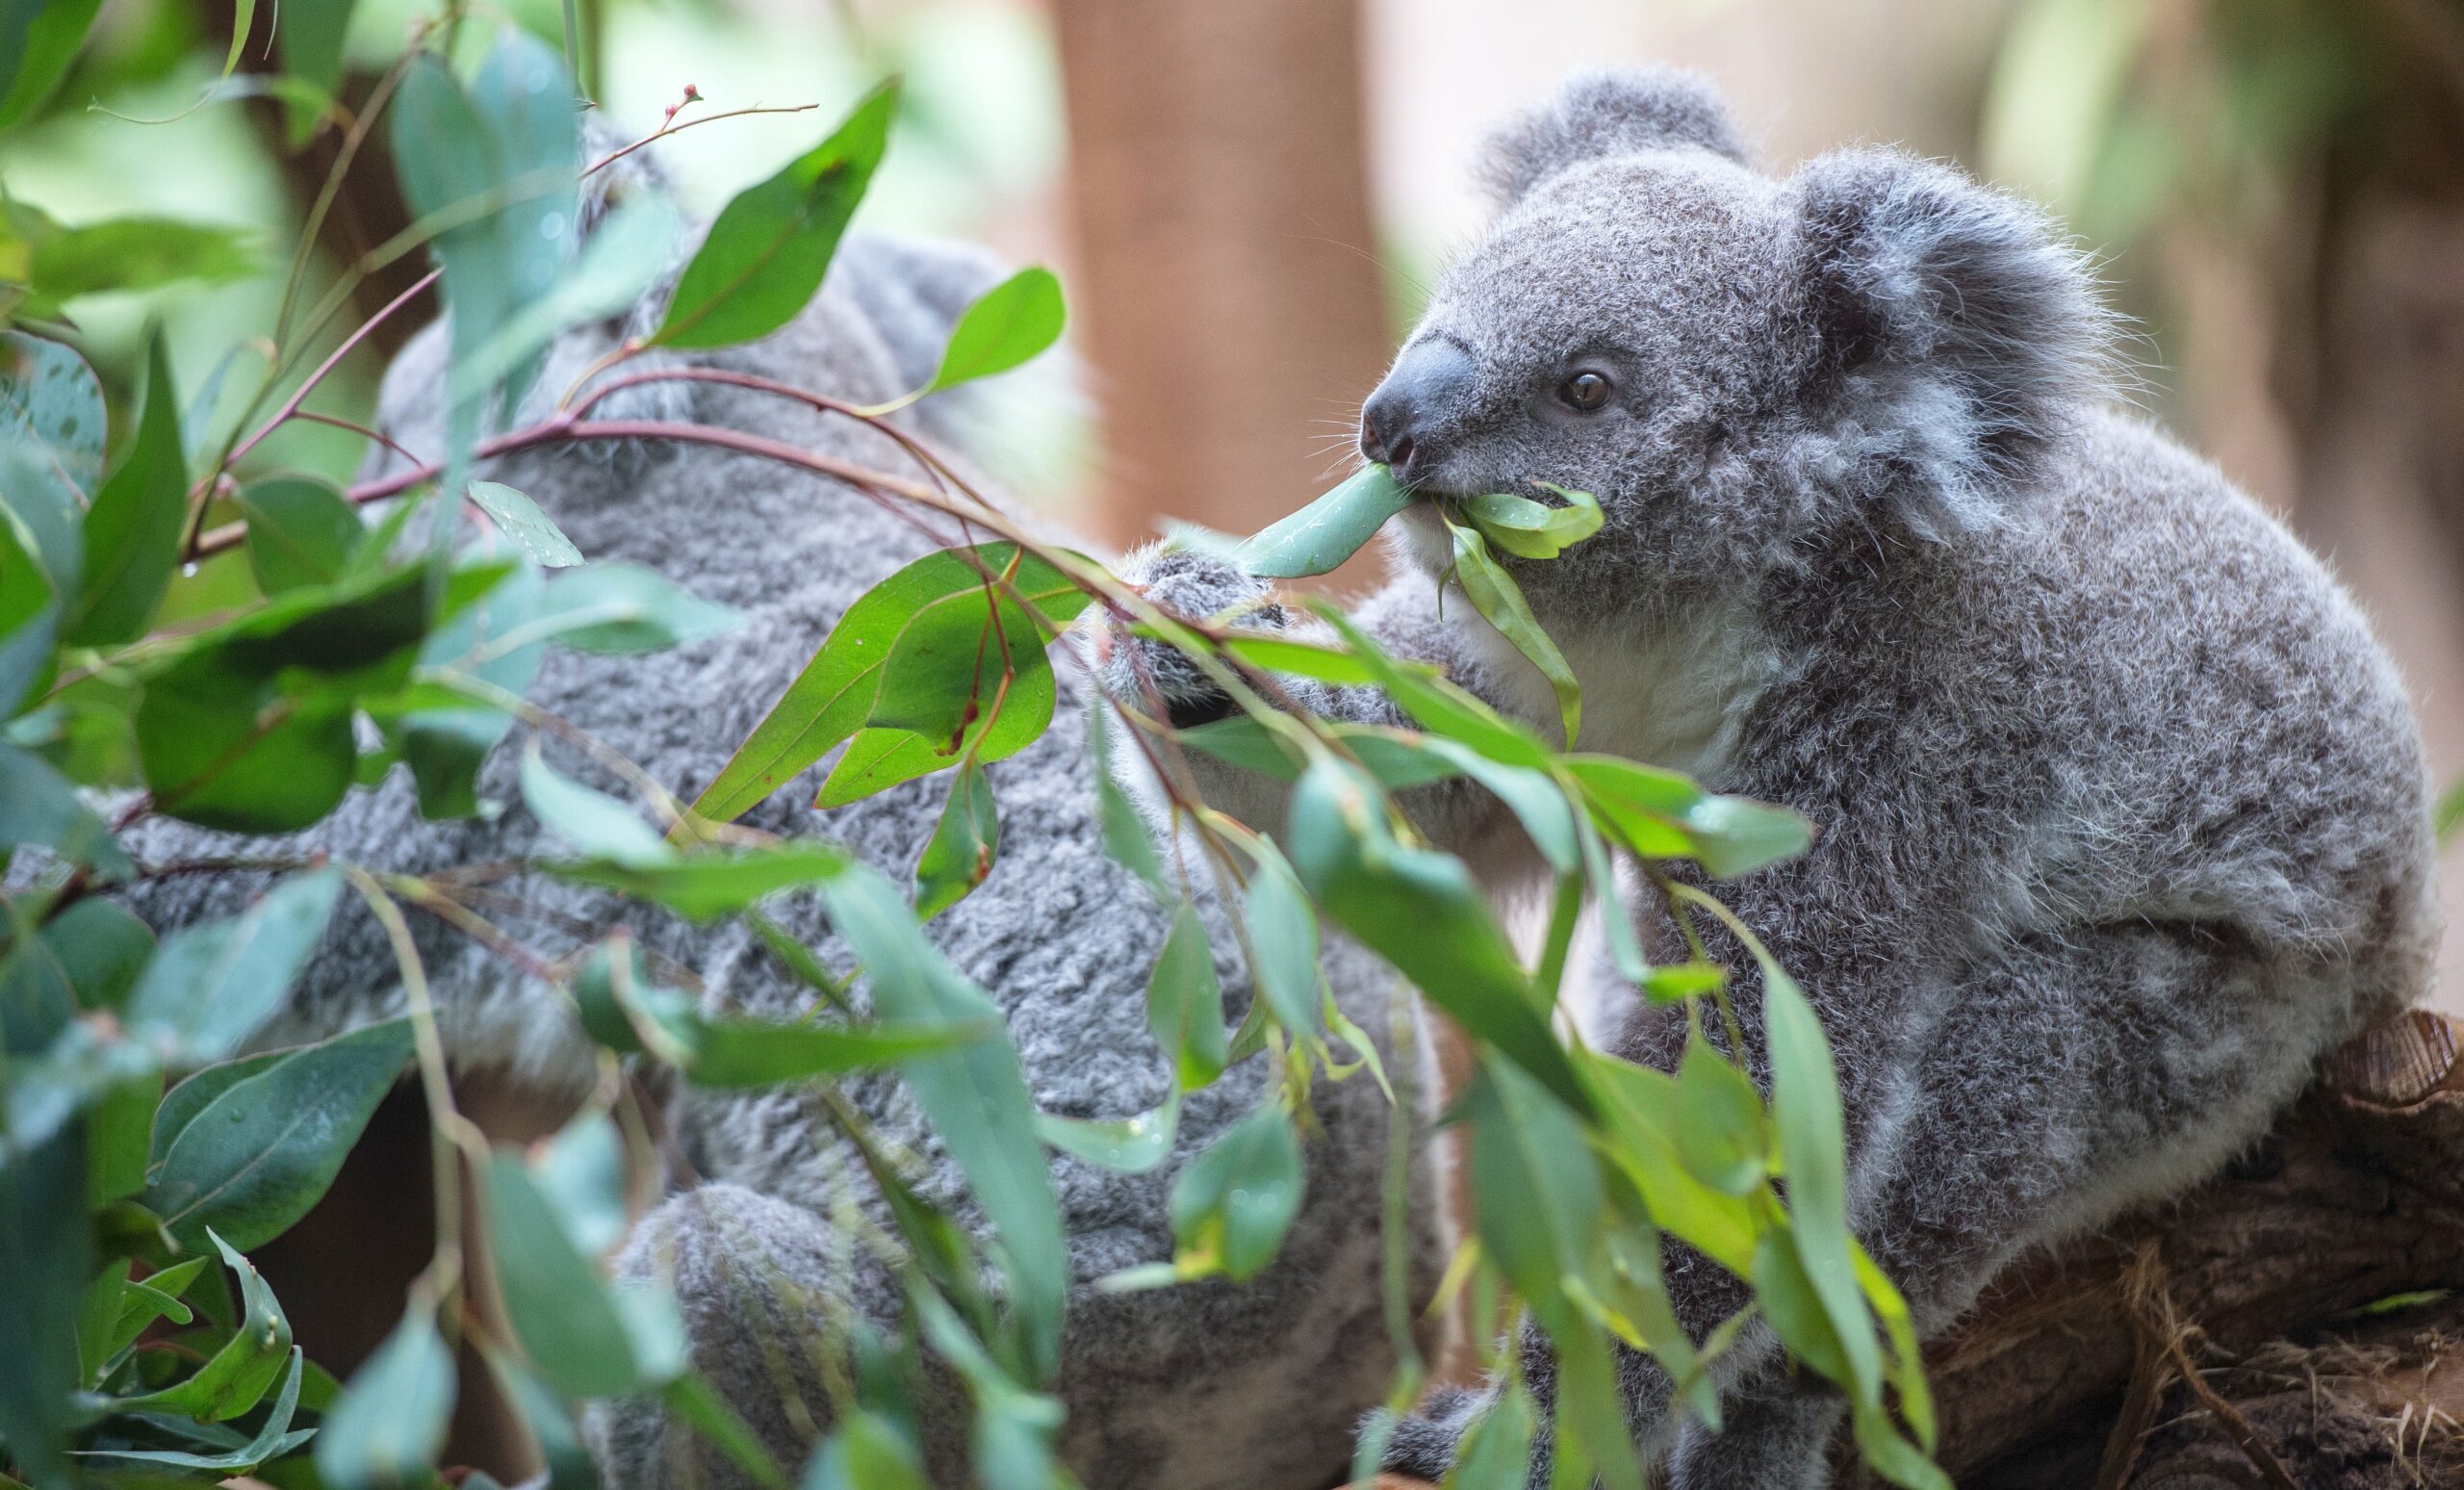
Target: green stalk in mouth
point(1333, 529)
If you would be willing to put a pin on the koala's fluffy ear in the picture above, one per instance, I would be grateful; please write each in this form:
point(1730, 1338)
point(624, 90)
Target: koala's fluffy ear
point(1958, 330)
point(1598, 114)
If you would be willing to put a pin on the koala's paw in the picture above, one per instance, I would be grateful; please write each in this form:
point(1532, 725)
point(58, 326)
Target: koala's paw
point(1195, 586)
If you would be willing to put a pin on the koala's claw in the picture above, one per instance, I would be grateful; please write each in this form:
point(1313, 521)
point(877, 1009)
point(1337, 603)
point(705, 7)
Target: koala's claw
point(1197, 587)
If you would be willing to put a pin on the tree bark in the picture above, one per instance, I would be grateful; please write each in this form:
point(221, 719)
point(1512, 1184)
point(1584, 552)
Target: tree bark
point(1229, 297)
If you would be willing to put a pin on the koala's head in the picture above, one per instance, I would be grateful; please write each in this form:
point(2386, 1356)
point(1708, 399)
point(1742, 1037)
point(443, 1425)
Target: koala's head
point(1736, 365)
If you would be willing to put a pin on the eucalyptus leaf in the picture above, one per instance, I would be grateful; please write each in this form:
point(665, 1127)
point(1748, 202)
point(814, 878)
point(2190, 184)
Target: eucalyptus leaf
point(520, 519)
point(1531, 530)
point(1008, 325)
point(50, 400)
point(1185, 1002)
point(300, 532)
point(385, 1432)
point(769, 248)
point(209, 987)
point(1131, 1145)
point(250, 1162)
point(1235, 1201)
point(559, 1308)
point(1329, 531)
point(1499, 600)
point(833, 695)
point(133, 531)
point(958, 856)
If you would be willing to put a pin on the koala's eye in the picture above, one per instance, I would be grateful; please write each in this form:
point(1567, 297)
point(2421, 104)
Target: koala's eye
point(1586, 391)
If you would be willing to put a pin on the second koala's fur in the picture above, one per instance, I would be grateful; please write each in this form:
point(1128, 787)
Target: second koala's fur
point(2120, 810)
point(1205, 1384)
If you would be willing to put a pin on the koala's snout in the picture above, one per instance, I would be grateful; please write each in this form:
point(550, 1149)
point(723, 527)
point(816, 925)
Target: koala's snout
point(1401, 424)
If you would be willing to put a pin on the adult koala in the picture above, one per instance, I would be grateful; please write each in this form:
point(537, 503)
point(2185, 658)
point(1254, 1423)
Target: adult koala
point(2120, 810)
point(1201, 1385)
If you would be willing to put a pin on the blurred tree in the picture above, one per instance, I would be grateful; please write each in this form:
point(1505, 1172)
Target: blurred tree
point(1232, 310)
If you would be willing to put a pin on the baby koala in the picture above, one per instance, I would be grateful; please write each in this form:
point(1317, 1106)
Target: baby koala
point(2120, 811)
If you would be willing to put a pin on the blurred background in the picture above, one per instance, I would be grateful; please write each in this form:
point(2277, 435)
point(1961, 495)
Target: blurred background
point(1244, 198)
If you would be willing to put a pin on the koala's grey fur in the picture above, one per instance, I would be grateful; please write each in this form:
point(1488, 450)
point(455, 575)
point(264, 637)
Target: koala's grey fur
point(1198, 1385)
point(2120, 809)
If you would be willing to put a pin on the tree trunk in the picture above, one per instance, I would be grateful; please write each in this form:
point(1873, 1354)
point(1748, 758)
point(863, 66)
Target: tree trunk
point(1230, 302)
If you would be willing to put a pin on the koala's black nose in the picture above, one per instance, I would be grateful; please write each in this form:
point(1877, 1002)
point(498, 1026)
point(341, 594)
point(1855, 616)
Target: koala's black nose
point(1399, 423)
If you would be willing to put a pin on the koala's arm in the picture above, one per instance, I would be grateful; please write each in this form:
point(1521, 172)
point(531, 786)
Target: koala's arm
point(1402, 617)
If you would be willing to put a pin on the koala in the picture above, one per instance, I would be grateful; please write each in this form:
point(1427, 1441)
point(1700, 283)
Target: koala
point(2120, 811)
point(1205, 1384)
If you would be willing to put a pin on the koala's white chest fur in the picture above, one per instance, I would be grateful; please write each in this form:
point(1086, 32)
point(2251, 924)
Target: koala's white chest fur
point(1673, 693)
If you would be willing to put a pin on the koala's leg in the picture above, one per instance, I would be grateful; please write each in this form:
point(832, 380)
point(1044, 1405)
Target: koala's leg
point(2070, 1078)
point(767, 1290)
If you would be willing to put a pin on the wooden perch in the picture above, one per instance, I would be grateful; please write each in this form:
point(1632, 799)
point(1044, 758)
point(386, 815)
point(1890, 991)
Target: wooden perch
point(2280, 1326)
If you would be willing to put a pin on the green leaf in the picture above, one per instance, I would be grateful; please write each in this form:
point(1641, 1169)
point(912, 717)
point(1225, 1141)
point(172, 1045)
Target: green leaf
point(39, 806)
point(209, 987)
point(618, 266)
point(237, 1376)
point(1805, 1111)
point(560, 1444)
point(274, 1439)
point(141, 1304)
point(300, 532)
point(501, 162)
point(1496, 1450)
point(704, 886)
point(39, 39)
point(580, 1171)
point(1128, 841)
point(1639, 1106)
point(183, 1102)
point(952, 662)
point(597, 824)
point(1533, 797)
point(1421, 911)
point(1531, 530)
point(976, 1097)
point(1328, 530)
point(43, 1267)
point(311, 36)
point(762, 1053)
point(1440, 707)
point(1499, 600)
point(1283, 937)
point(446, 747)
point(865, 1453)
point(693, 1402)
point(101, 948)
point(1236, 1200)
point(51, 400)
point(249, 730)
point(958, 857)
point(255, 1158)
point(133, 532)
point(834, 693)
point(1535, 1187)
point(1185, 1002)
point(520, 519)
point(1721, 1134)
point(1734, 836)
point(561, 1311)
point(767, 252)
point(621, 609)
point(1131, 1145)
point(138, 253)
point(385, 1432)
point(1009, 323)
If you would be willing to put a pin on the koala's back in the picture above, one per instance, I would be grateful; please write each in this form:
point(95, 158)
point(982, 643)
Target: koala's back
point(2139, 699)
